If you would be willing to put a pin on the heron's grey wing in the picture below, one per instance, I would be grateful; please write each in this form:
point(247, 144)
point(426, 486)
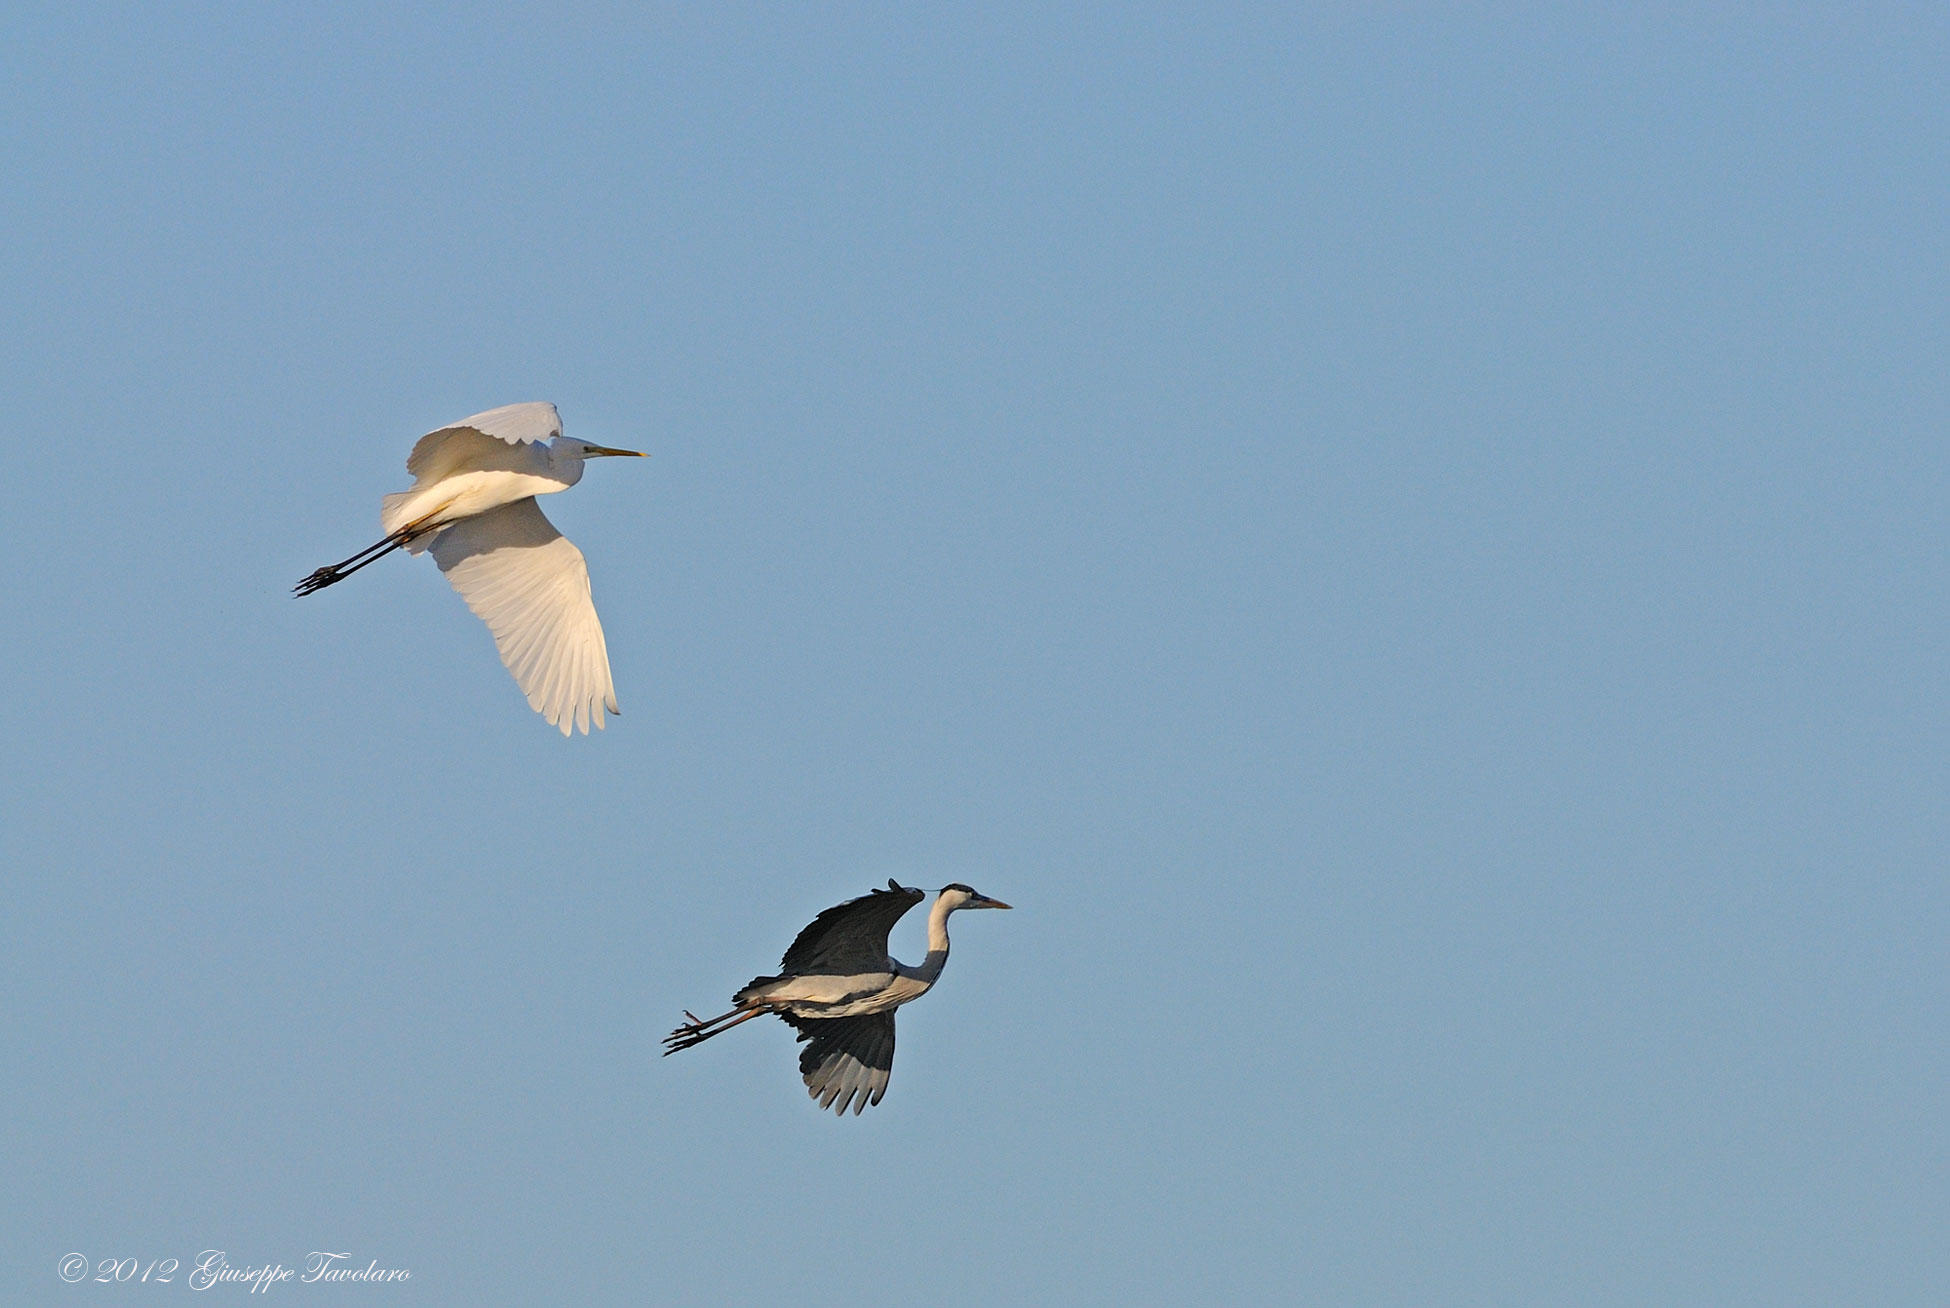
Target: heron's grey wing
point(439, 453)
point(851, 938)
point(847, 1060)
point(529, 584)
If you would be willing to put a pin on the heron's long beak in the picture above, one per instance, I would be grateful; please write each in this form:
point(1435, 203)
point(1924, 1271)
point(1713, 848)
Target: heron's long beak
point(986, 902)
point(592, 451)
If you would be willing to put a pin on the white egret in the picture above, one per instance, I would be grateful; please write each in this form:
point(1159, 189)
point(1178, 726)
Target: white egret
point(472, 505)
point(838, 988)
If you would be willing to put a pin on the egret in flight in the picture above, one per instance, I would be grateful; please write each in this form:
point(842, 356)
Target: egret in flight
point(838, 987)
point(472, 506)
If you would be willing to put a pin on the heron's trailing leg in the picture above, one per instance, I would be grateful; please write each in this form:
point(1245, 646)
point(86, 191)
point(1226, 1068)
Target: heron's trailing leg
point(696, 1032)
point(336, 572)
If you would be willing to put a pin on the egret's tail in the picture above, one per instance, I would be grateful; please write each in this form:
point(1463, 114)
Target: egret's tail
point(397, 512)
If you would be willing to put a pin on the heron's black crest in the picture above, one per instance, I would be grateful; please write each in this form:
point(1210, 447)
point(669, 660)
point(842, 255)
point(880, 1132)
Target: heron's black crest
point(956, 885)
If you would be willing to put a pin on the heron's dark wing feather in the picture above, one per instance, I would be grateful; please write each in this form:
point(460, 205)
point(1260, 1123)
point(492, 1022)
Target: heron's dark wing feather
point(850, 938)
point(847, 1060)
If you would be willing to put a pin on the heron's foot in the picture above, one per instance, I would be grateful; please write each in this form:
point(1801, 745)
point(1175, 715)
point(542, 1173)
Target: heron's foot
point(688, 1034)
point(697, 1031)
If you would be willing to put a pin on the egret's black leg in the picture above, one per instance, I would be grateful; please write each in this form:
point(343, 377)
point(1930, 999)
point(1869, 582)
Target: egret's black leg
point(336, 572)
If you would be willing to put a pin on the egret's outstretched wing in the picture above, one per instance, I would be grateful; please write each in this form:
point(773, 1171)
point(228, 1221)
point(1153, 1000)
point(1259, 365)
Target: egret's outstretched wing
point(846, 1059)
point(850, 939)
point(528, 583)
point(439, 453)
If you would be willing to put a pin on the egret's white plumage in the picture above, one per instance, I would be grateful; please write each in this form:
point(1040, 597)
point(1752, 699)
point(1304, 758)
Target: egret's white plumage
point(472, 505)
point(529, 584)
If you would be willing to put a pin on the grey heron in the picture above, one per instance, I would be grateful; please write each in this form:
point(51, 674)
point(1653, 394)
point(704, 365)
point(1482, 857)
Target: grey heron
point(472, 504)
point(838, 988)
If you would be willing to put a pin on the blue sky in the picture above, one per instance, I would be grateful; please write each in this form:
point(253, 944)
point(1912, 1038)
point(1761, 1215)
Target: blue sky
point(1408, 544)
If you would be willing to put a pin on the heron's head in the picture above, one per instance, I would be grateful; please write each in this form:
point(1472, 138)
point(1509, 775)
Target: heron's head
point(576, 449)
point(961, 896)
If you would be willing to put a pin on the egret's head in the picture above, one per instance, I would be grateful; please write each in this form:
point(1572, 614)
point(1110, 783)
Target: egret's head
point(961, 896)
point(574, 448)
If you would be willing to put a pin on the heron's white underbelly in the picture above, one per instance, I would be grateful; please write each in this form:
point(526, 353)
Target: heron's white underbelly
point(841, 996)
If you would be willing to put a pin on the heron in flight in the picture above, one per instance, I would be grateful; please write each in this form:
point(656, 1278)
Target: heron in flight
point(472, 506)
point(838, 988)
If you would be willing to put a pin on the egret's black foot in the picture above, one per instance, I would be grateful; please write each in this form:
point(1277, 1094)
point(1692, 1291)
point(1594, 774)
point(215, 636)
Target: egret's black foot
point(318, 580)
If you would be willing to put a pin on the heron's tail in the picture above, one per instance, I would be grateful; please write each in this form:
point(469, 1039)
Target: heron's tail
point(755, 989)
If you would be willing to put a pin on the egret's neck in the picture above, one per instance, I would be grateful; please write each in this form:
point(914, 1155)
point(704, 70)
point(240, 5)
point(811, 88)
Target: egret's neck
point(937, 958)
point(565, 464)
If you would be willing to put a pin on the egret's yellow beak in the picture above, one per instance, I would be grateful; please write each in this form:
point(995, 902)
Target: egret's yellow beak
point(591, 451)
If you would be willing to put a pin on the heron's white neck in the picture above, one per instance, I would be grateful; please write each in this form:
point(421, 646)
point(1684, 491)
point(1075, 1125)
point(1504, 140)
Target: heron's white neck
point(937, 958)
